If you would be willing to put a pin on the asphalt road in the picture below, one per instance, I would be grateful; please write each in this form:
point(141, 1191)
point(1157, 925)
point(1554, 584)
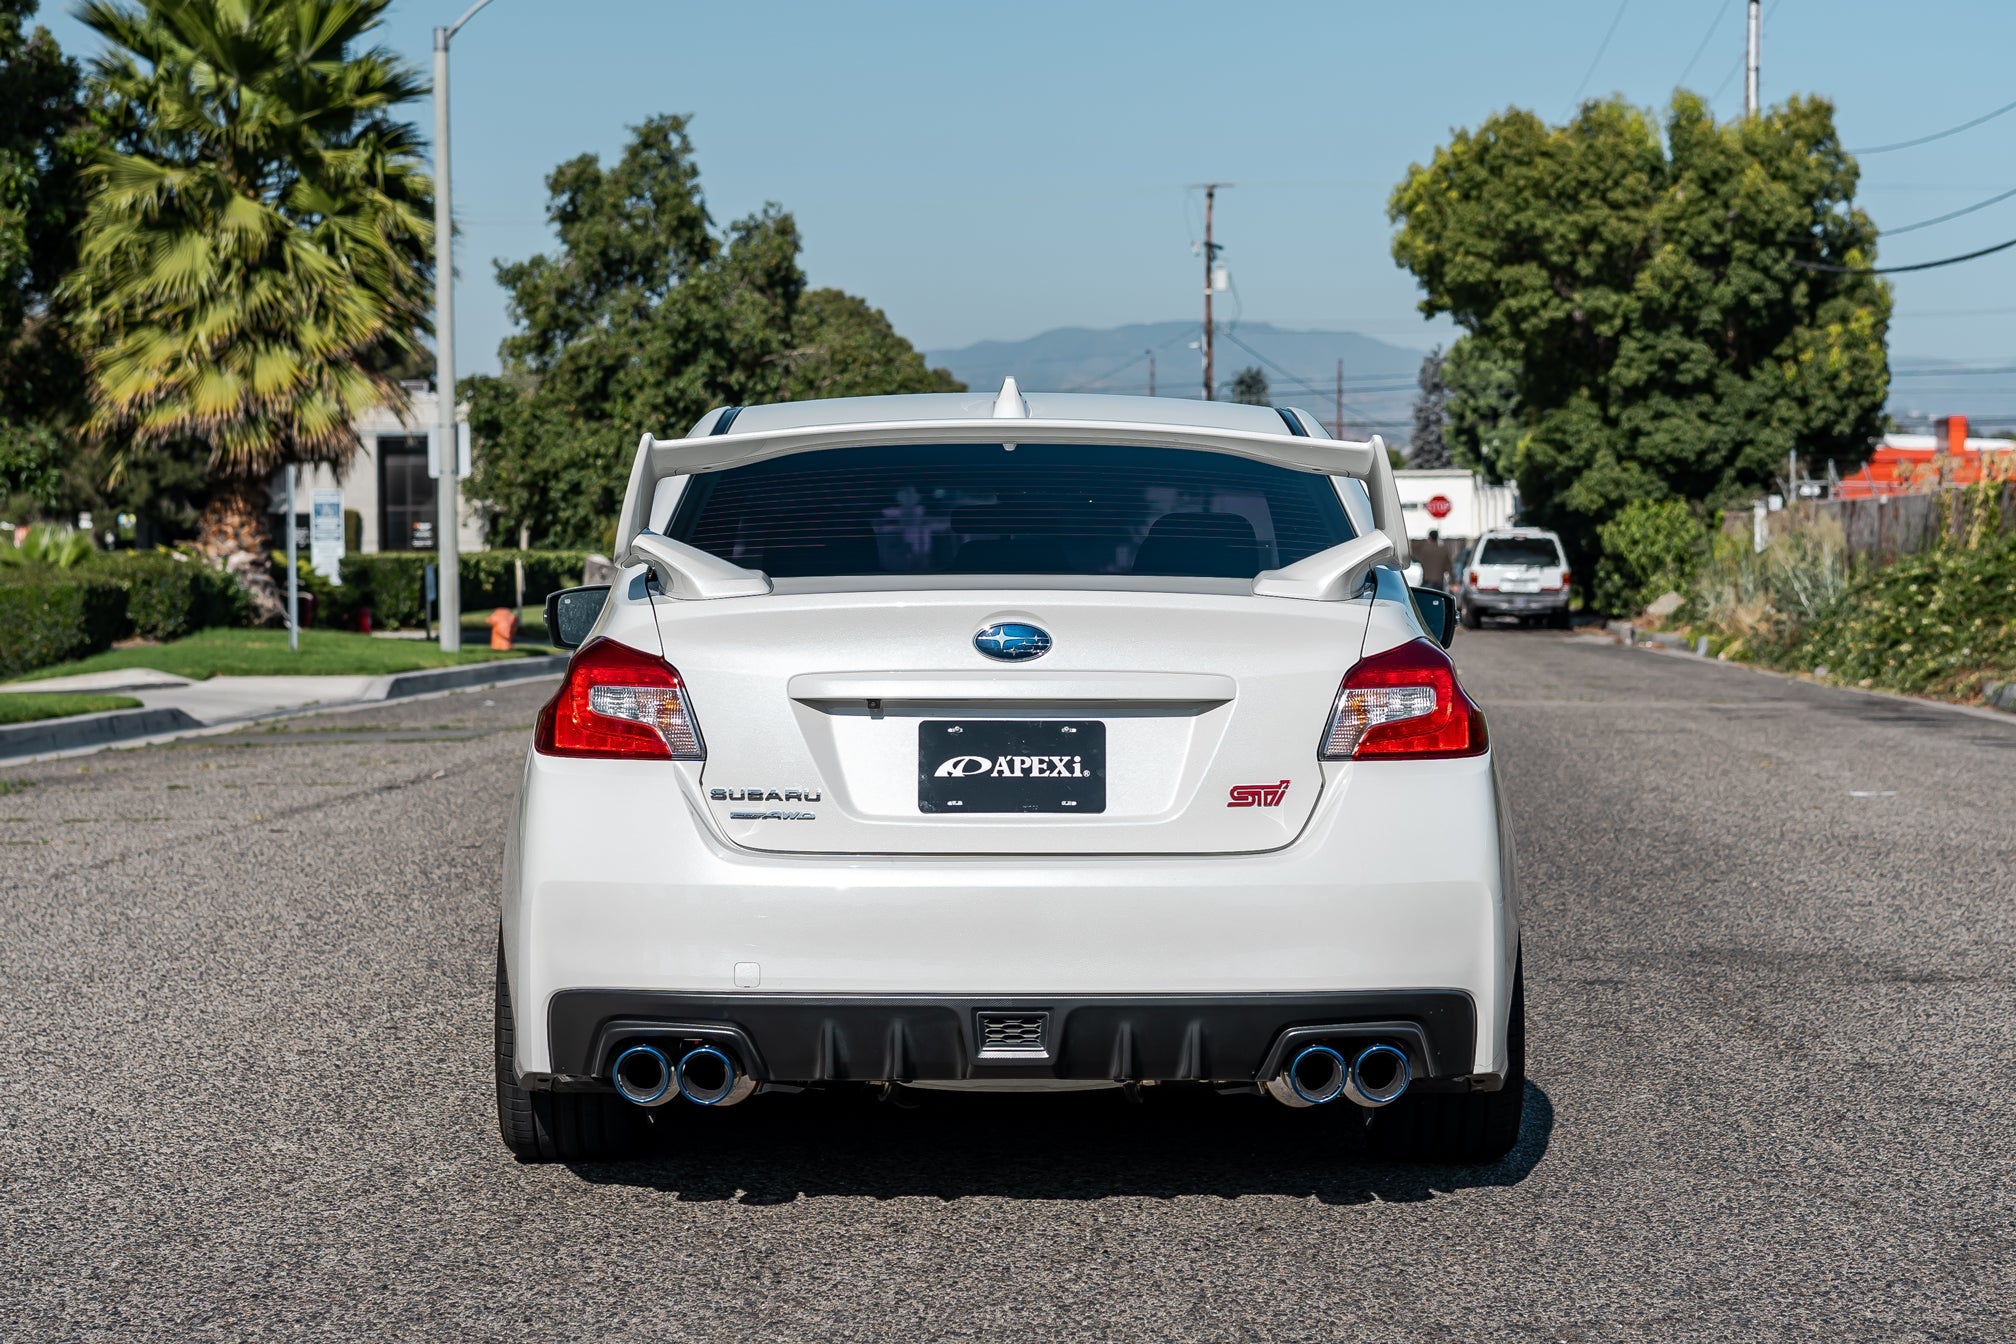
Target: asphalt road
point(245, 1035)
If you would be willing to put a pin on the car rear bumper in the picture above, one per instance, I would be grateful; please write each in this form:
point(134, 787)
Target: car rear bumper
point(1516, 604)
point(811, 1039)
point(1401, 882)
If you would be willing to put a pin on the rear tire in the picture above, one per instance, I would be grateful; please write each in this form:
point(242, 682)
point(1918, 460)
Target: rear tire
point(1460, 1126)
point(557, 1126)
point(1562, 620)
point(1471, 620)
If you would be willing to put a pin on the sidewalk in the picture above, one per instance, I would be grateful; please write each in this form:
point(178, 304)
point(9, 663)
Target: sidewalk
point(173, 706)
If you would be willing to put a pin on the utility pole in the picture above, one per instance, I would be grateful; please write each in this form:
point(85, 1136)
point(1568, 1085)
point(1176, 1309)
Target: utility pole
point(1750, 59)
point(1340, 397)
point(1211, 251)
point(448, 457)
point(1151, 373)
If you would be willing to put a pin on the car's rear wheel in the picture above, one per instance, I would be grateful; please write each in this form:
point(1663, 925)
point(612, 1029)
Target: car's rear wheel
point(1561, 620)
point(1460, 1126)
point(557, 1126)
point(1471, 620)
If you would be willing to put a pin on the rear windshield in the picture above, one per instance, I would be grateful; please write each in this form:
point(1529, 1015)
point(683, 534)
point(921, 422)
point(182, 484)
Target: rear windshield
point(1519, 551)
point(1038, 509)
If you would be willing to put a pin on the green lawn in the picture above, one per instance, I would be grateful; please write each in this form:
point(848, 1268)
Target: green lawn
point(27, 706)
point(264, 653)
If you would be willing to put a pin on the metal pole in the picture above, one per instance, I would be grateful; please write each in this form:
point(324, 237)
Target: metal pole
point(1340, 398)
point(1751, 57)
point(293, 571)
point(1151, 373)
point(448, 512)
point(1210, 195)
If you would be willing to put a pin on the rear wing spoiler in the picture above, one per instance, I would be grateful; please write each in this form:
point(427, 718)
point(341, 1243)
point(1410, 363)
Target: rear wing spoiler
point(662, 460)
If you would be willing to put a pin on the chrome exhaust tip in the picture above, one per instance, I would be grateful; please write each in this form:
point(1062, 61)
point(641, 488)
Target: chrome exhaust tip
point(708, 1077)
point(1316, 1076)
point(1378, 1076)
point(642, 1076)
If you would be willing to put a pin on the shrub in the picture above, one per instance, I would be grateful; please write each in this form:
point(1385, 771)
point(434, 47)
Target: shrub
point(390, 583)
point(51, 618)
point(1762, 601)
point(1935, 621)
point(169, 596)
point(1650, 548)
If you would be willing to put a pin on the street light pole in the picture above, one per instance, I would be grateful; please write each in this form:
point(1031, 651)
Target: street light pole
point(448, 457)
point(1752, 49)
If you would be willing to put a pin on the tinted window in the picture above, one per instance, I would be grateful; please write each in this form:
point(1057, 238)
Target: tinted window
point(1040, 509)
point(1520, 551)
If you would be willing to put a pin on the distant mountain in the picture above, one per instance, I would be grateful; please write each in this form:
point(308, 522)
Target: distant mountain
point(1301, 367)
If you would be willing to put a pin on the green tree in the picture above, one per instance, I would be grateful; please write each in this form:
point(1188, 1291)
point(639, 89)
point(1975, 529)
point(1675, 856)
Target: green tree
point(1428, 447)
point(1652, 547)
point(258, 246)
point(646, 318)
point(45, 135)
point(1249, 387)
point(1642, 284)
point(1484, 428)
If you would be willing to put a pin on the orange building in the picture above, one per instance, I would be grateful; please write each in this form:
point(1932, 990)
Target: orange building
point(1905, 464)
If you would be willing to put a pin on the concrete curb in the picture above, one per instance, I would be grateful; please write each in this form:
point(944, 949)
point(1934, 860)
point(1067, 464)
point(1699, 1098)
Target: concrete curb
point(91, 730)
point(476, 674)
point(87, 732)
point(1998, 698)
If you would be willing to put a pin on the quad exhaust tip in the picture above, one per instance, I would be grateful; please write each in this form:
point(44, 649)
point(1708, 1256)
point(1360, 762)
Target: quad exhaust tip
point(1318, 1075)
point(644, 1075)
point(708, 1077)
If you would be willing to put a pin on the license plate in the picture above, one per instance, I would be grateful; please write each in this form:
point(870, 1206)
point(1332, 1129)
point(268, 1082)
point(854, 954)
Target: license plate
point(998, 765)
point(1532, 587)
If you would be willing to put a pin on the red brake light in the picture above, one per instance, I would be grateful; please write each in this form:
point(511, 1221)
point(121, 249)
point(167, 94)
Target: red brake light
point(618, 703)
point(1404, 704)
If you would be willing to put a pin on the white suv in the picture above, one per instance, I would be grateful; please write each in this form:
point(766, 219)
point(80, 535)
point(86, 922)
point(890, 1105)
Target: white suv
point(1009, 743)
point(1516, 571)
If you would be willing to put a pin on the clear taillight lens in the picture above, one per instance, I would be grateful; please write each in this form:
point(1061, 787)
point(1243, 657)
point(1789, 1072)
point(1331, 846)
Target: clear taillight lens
point(1404, 703)
point(619, 703)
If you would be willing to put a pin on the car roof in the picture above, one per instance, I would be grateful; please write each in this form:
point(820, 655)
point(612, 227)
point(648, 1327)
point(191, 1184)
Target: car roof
point(1081, 406)
point(1521, 532)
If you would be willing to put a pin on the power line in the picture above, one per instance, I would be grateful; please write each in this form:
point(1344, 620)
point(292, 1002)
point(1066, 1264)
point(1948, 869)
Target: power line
point(1937, 135)
point(1598, 58)
point(1899, 270)
point(1953, 214)
point(1705, 39)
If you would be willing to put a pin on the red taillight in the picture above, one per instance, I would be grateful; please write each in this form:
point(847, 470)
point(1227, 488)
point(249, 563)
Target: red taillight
point(1566, 579)
point(1480, 586)
point(618, 703)
point(1404, 703)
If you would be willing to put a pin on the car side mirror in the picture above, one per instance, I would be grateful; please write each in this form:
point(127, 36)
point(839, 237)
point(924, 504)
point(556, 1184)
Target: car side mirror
point(1438, 613)
point(572, 612)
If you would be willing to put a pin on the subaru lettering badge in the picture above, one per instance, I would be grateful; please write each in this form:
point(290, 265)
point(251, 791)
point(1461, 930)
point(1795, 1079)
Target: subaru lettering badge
point(1013, 642)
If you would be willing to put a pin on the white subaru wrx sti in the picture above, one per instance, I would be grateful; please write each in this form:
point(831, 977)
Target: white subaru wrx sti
point(1009, 743)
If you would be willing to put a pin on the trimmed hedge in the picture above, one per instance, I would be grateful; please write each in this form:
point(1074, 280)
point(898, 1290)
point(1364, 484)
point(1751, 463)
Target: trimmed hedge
point(167, 598)
point(53, 618)
point(390, 584)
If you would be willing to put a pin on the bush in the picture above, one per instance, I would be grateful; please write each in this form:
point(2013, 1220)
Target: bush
point(1936, 621)
point(168, 597)
point(1651, 548)
point(1762, 601)
point(46, 619)
point(390, 583)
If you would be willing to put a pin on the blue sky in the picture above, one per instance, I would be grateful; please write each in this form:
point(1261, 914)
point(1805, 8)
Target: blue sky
point(993, 171)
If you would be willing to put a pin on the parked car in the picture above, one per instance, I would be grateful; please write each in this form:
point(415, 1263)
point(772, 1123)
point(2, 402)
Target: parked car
point(1009, 744)
point(1520, 572)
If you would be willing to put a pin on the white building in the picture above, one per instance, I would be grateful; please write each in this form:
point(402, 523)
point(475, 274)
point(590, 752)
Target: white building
point(386, 484)
point(1455, 502)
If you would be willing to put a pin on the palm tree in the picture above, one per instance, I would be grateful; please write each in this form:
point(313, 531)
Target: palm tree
point(257, 250)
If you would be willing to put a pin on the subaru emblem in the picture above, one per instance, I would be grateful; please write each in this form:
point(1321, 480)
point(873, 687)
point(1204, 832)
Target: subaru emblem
point(1013, 642)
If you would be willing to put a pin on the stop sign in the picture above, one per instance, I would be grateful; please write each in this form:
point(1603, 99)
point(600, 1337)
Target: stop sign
point(1439, 506)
